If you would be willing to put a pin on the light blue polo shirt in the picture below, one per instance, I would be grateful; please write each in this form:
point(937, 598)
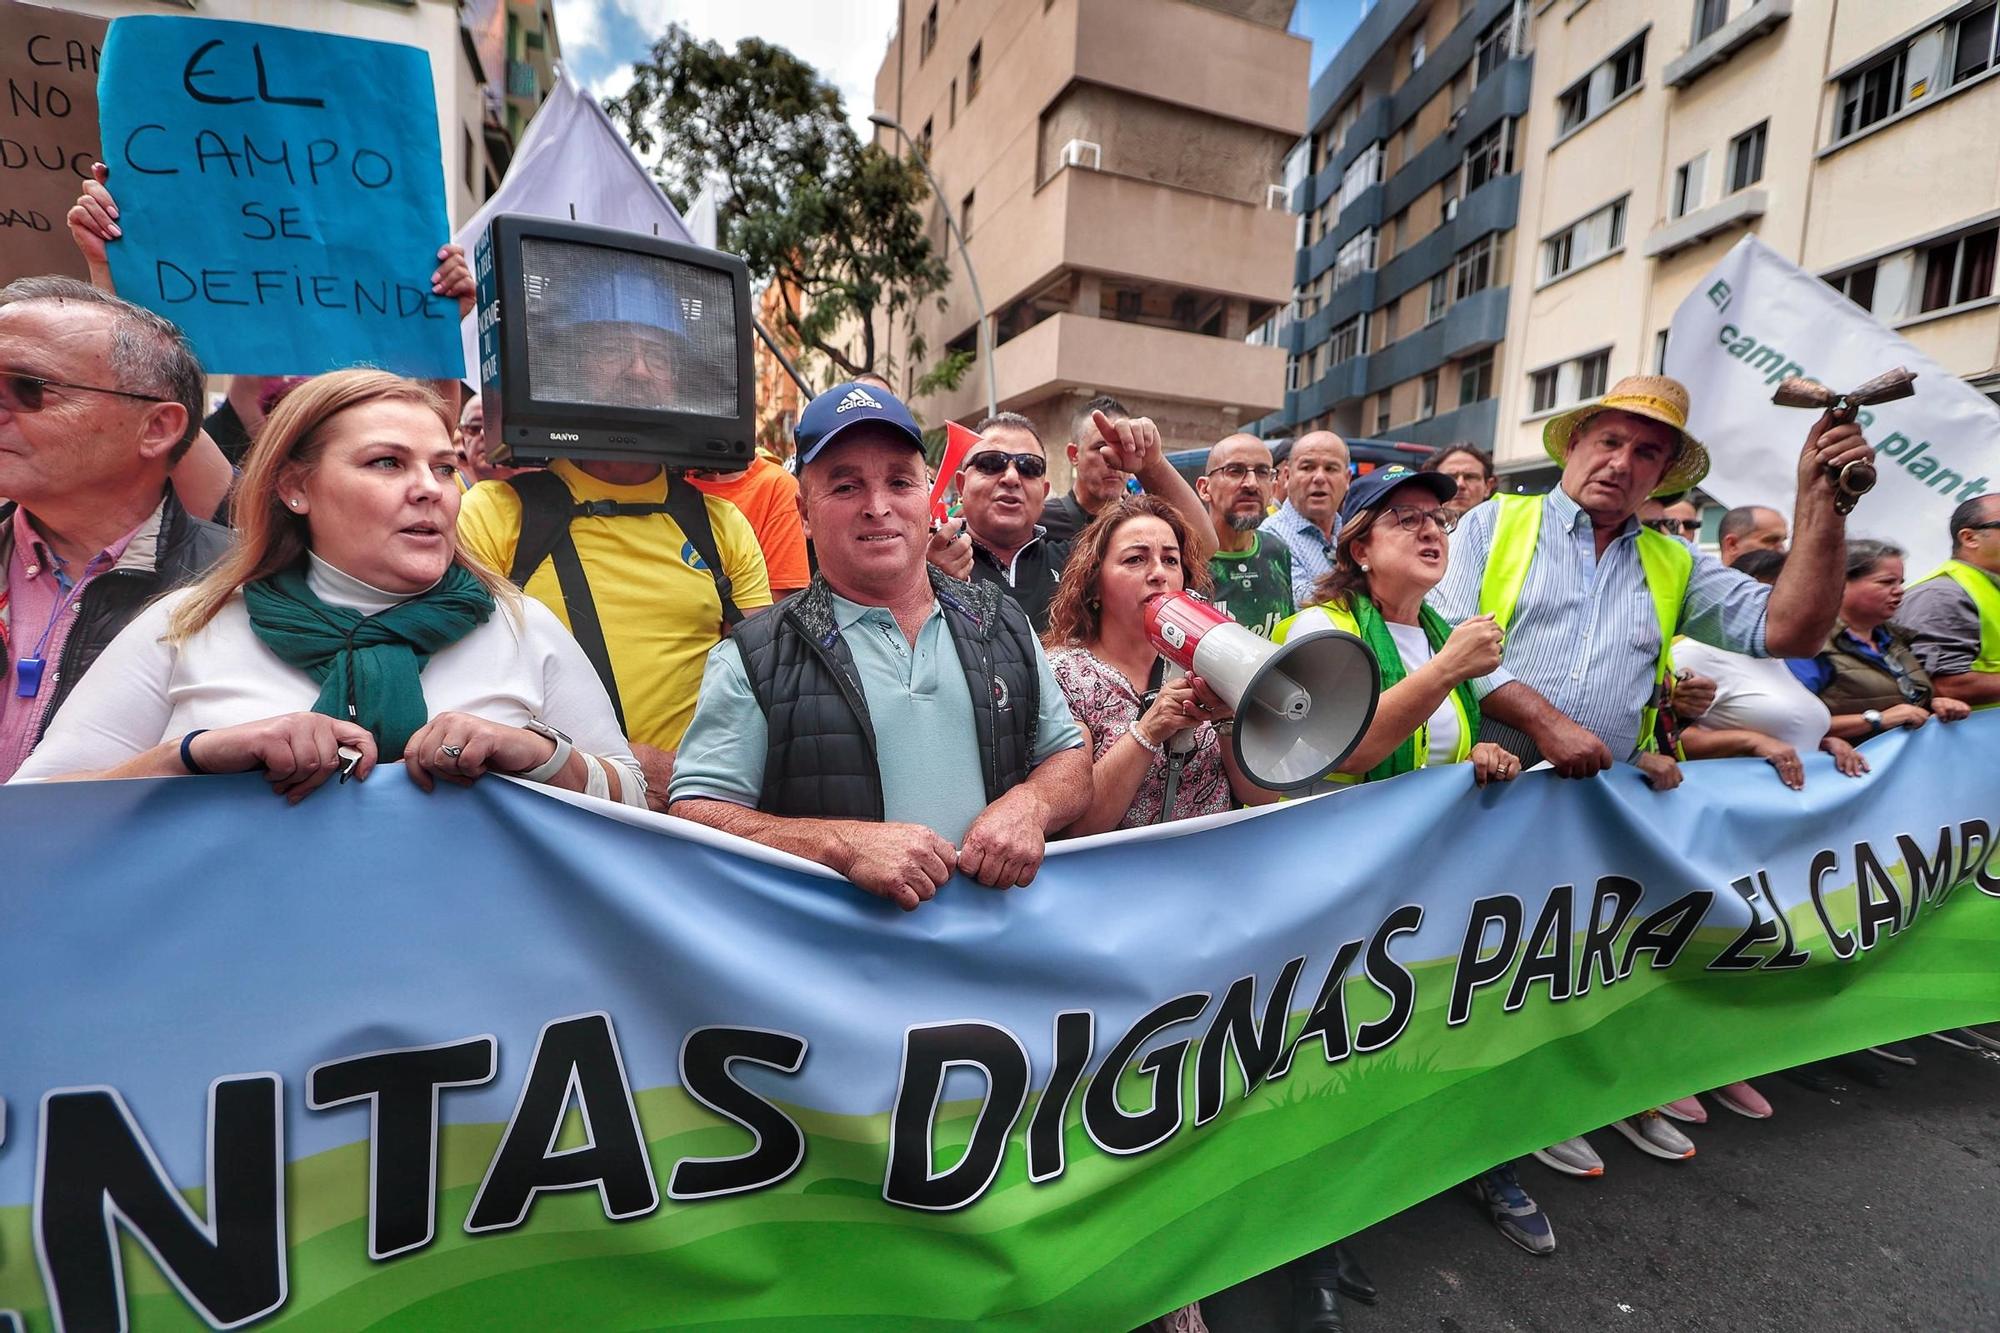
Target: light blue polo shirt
point(925, 732)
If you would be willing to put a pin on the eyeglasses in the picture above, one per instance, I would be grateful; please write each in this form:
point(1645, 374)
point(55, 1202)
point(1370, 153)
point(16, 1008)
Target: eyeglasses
point(1981, 527)
point(1239, 471)
point(1675, 527)
point(24, 394)
point(1411, 518)
point(993, 463)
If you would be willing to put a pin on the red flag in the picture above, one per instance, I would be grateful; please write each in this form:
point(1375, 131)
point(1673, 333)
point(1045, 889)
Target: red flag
point(958, 441)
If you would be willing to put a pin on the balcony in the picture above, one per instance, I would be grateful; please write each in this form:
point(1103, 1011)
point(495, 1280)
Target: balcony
point(1726, 41)
point(1136, 228)
point(1249, 72)
point(521, 81)
point(1693, 228)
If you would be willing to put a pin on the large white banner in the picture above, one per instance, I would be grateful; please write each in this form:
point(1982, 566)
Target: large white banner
point(1757, 318)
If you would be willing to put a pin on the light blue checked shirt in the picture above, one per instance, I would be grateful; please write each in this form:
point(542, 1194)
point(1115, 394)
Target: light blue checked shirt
point(1585, 635)
point(1312, 550)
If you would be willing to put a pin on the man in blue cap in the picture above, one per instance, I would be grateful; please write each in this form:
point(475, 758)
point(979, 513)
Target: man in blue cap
point(891, 722)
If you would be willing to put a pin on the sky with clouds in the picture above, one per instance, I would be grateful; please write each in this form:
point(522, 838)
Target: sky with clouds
point(845, 39)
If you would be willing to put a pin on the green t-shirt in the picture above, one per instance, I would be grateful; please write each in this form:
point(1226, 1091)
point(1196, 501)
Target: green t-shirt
point(1254, 586)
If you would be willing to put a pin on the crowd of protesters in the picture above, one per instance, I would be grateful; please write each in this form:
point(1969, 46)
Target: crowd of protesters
point(323, 576)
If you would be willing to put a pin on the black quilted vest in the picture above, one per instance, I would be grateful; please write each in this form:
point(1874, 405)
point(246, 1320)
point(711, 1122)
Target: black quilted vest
point(821, 761)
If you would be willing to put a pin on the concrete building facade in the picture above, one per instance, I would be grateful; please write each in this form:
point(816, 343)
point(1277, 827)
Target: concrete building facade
point(1408, 194)
point(1117, 168)
point(1854, 138)
point(492, 64)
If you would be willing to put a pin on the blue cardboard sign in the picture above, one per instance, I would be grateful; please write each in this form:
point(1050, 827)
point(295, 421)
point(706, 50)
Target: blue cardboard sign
point(281, 194)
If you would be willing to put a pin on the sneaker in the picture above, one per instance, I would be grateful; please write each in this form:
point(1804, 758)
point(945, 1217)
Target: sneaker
point(1895, 1052)
point(1744, 1100)
point(1959, 1037)
point(1986, 1034)
point(1857, 1068)
point(1651, 1133)
point(1815, 1077)
point(1572, 1157)
point(1687, 1110)
point(1519, 1217)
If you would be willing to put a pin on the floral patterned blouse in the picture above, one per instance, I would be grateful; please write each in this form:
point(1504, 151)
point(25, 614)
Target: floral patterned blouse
point(1104, 701)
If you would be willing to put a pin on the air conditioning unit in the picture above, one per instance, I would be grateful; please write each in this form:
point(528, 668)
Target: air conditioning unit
point(1450, 209)
point(1277, 198)
point(1076, 151)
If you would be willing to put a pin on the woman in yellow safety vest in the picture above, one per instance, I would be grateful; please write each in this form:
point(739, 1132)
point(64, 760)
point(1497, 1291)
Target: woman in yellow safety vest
point(1392, 550)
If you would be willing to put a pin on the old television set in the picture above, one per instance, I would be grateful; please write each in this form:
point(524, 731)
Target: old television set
point(612, 345)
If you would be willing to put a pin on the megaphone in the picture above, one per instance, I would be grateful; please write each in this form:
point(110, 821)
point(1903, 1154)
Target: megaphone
point(1301, 706)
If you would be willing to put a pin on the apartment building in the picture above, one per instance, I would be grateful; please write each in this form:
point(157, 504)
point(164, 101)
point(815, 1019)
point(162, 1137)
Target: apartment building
point(1409, 187)
point(1116, 166)
point(492, 64)
point(1857, 139)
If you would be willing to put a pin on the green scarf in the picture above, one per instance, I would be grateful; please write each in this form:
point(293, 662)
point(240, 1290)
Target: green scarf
point(367, 666)
point(1375, 633)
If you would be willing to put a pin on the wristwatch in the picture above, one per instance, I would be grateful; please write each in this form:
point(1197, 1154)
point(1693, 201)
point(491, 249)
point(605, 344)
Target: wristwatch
point(553, 765)
point(1873, 717)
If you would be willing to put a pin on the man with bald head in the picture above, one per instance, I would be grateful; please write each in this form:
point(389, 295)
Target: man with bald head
point(1315, 486)
point(1748, 528)
point(1252, 570)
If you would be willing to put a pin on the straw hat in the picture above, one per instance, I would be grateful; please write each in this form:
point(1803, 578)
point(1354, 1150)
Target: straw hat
point(1654, 397)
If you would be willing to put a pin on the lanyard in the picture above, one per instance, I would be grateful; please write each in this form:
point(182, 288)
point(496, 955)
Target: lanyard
point(28, 671)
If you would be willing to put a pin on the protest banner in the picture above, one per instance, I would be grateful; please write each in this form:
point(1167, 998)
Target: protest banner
point(490, 1058)
point(48, 134)
point(1757, 318)
point(282, 195)
point(573, 164)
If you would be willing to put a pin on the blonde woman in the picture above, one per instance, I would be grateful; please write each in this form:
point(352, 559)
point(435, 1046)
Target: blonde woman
point(344, 628)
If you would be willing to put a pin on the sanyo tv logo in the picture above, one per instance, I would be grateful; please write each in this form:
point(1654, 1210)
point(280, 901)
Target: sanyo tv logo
point(568, 435)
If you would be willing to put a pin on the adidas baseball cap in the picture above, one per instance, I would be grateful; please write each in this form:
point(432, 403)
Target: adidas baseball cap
point(847, 405)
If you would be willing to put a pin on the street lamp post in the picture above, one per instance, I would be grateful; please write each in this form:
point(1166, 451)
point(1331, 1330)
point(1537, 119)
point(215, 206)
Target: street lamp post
point(985, 340)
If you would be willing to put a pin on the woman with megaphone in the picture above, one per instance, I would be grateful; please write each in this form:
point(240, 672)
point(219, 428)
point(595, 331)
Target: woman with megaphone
point(1392, 549)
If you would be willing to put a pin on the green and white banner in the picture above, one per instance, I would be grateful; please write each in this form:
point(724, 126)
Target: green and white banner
point(486, 1058)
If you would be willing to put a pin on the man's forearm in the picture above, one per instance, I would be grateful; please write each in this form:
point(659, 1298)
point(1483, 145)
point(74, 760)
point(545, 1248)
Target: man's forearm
point(1806, 600)
point(1062, 783)
point(1973, 687)
point(827, 841)
point(1162, 480)
point(1523, 708)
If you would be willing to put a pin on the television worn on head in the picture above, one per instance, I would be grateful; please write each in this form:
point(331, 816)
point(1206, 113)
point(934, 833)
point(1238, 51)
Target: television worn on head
point(612, 345)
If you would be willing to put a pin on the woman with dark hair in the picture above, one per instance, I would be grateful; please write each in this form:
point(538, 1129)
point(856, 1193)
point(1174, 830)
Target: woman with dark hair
point(1111, 674)
point(346, 626)
point(1867, 676)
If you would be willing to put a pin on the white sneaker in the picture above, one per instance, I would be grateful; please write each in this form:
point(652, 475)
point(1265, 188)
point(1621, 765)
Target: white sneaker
point(1655, 1135)
point(1572, 1157)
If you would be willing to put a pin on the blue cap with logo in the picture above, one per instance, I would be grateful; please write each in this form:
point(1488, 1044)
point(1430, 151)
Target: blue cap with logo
point(848, 405)
point(1371, 489)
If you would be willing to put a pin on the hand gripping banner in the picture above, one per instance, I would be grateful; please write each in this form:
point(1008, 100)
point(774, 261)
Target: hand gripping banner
point(491, 1059)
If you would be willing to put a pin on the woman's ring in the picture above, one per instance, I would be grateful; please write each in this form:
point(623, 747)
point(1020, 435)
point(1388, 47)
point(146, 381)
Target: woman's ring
point(451, 751)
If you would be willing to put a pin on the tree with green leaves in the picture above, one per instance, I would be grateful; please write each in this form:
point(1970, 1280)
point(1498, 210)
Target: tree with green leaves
point(836, 222)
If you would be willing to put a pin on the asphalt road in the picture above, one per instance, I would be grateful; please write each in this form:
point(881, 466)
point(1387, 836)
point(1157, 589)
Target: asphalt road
point(1862, 1209)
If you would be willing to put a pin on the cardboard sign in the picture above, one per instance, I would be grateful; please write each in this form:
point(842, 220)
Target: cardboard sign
point(48, 134)
point(281, 193)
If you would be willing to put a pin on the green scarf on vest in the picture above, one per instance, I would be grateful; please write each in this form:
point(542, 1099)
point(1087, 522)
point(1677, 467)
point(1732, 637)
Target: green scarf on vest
point(1375, 633)
point(367, 666)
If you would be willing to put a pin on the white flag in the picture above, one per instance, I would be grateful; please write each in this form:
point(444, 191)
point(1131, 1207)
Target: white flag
point(704, 220)
point(1757, 318)
point(573, 163)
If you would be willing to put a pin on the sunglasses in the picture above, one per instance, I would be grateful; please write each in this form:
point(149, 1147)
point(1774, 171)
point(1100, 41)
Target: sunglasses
point(1675, 527)
point(993, 463)
point(29, 393)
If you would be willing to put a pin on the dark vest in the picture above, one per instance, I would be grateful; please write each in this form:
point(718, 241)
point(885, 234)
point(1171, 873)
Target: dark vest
point(1859, 685)
point(821, 759)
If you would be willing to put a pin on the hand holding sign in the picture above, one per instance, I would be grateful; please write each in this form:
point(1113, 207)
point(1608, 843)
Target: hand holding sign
point(292, 191)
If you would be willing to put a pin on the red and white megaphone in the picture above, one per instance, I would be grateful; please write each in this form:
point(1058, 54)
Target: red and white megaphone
point(1301, 706)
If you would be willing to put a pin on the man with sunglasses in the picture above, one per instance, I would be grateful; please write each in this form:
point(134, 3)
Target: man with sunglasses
point(1252, 570)
point(1954, 614)
point(99, 400)
point(1675, 515)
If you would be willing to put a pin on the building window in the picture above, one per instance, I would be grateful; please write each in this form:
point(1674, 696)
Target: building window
point(1389, 321)
point(965, 215)
point(1542, 390)
point(1959, 270)
point(1587, 98)
point(1876, 93)
point(927, 36)
point(1362, 172)
point(1347, 340)
point(1584, 241)
point(924, 140)
point(1592, 373)
point(1746, 158)
point(1494, 48)
point(471, 162)
point(1355, 258)
point(1687, 186)
point(1972, 45)
point(1474, 267)
point(1490, 155)
point(1475, 378)
point(1417, 46)
point(1427, 397)
point(1857, 286)
point(1291, 374)
point(1382, 416)
point(951, 107)
point(972, 63)
point(1435, 303)
point(1660, 352)
point(1708, 16)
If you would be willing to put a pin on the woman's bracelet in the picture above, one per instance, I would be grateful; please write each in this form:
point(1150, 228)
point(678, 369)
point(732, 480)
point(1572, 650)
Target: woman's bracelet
point(1148, 746)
